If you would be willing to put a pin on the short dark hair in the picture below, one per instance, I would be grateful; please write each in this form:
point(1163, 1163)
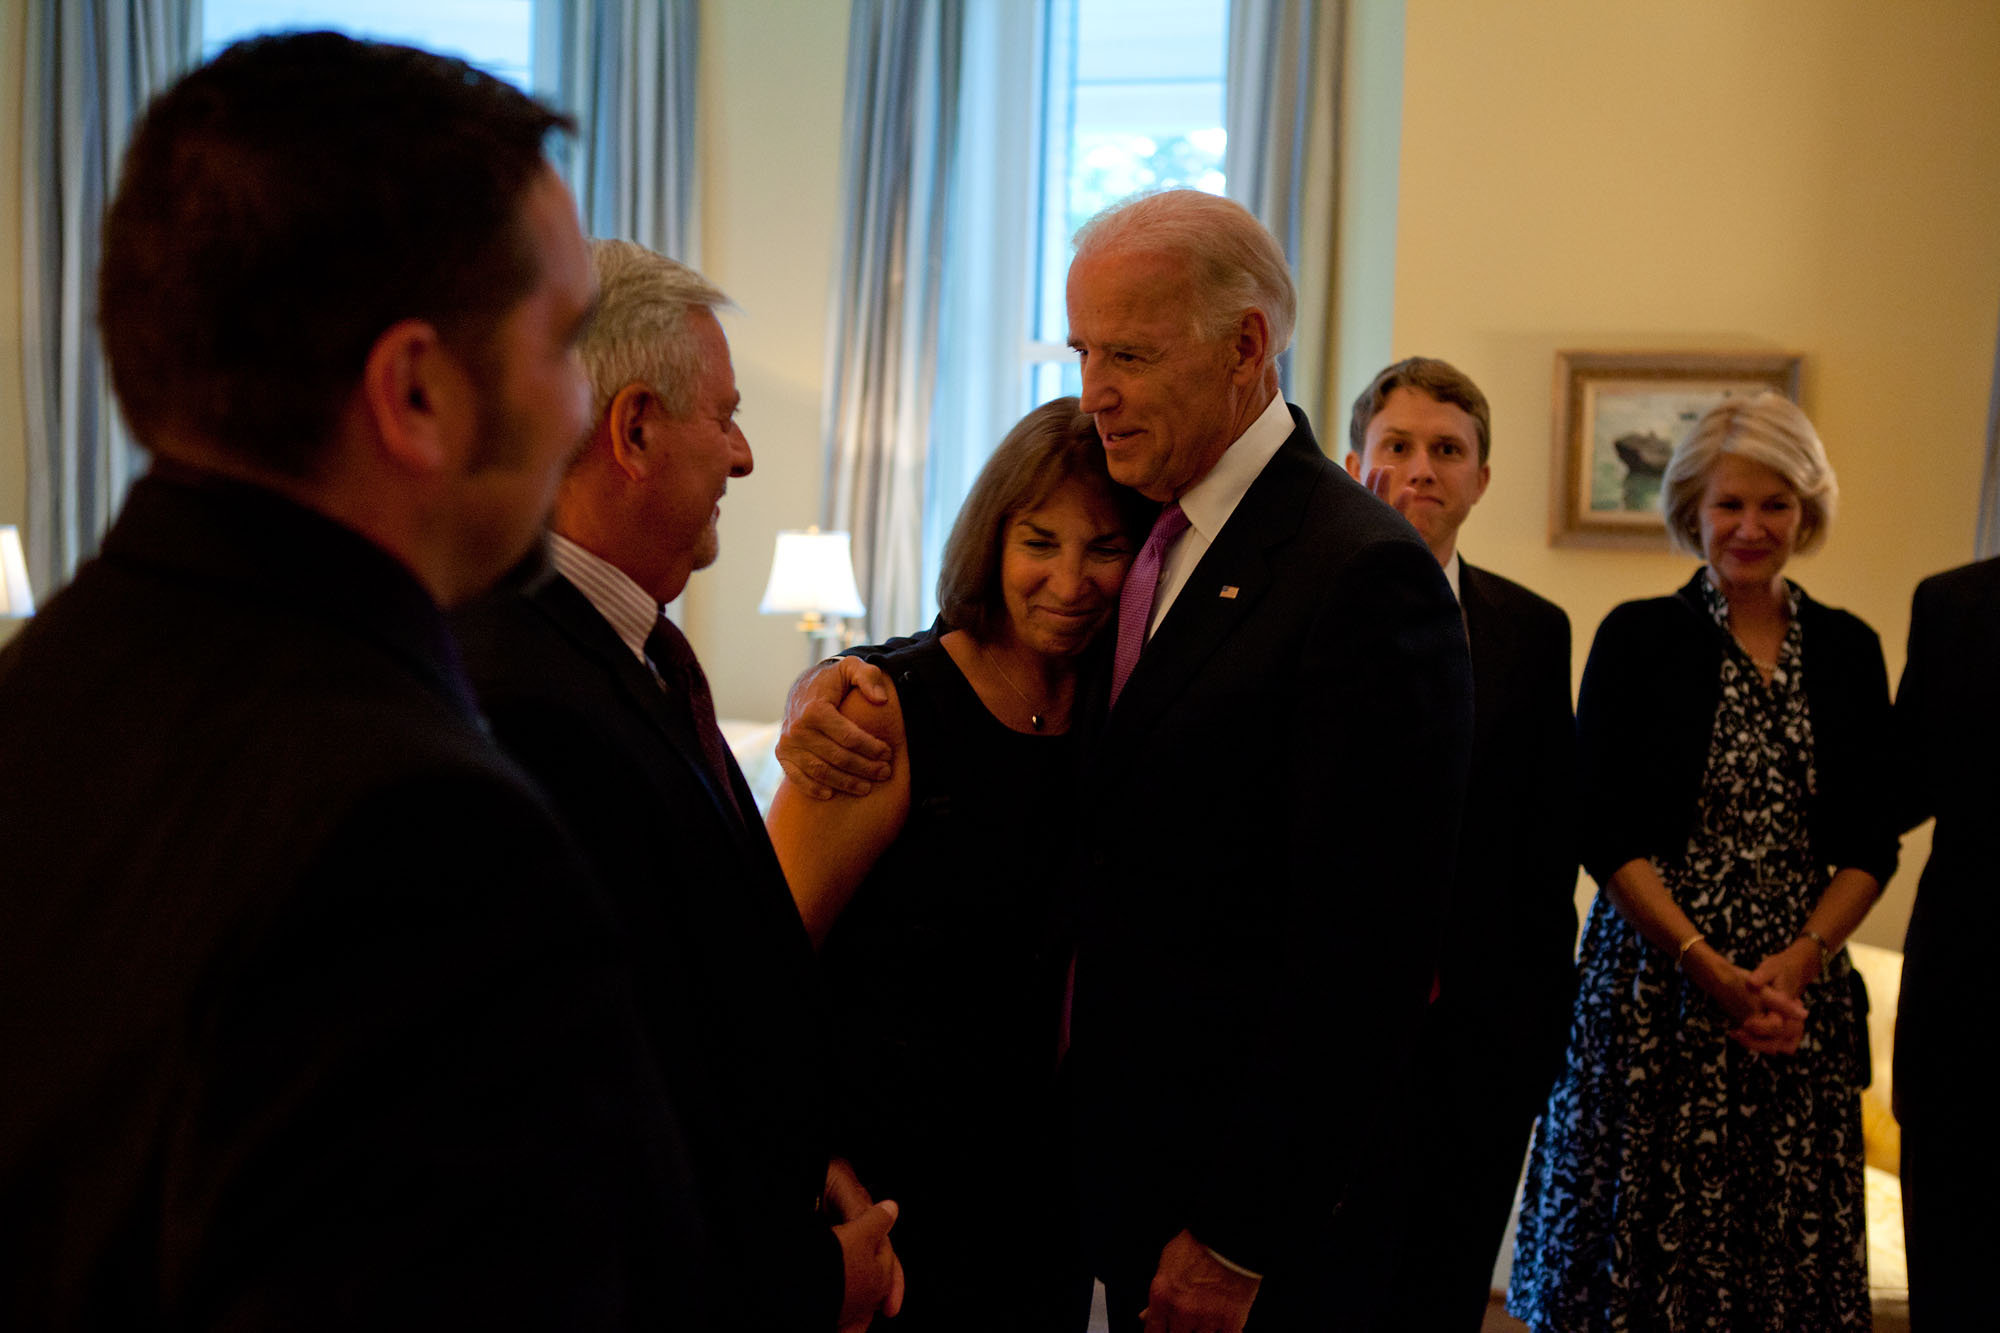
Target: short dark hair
point(282, 206)
point(1440, 379)
point(1053, 444)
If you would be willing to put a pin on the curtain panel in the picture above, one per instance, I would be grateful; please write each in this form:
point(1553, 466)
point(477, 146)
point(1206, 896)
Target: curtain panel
point(1284, 70)
point(990, 272)
point(92, 65)
point(903, 65)
point(626, 69)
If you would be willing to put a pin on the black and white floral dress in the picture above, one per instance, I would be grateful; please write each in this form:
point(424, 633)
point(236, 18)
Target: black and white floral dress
point(1678, 1180)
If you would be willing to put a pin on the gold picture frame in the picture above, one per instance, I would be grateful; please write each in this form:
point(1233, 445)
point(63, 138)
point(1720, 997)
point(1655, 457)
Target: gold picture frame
point(1618, 416)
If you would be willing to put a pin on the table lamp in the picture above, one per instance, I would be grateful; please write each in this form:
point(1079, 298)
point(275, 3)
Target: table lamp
point(17, 601)
point(812, 577)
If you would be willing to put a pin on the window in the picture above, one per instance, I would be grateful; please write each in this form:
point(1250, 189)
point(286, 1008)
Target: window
point(1120, 96)
point(1133, 101)
point(495, 35)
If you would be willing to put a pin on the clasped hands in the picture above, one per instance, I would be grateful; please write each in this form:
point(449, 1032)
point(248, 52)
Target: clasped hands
point(821, 751)
point(1765, 1003)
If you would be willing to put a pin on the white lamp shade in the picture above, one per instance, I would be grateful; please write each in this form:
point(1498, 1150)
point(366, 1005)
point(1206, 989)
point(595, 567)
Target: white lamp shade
point(16, 600)
point(812, 572)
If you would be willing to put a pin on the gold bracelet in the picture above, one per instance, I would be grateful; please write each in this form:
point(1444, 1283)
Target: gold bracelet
point(1681, 954)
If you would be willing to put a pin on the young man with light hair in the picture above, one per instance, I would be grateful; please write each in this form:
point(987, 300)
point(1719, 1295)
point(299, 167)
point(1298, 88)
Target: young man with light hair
point(1420, 438)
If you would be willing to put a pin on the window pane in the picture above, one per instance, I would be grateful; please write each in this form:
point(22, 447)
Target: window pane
point(1144, 40)
point(1053, 379)
point(495, 35)
point(1135, 102)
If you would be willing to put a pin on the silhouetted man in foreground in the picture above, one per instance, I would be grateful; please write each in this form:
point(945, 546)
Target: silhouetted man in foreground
point(311, 1019)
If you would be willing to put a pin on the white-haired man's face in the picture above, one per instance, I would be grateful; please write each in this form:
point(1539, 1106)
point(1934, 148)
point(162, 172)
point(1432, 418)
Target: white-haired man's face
point(1168, 401)
point(691, 460)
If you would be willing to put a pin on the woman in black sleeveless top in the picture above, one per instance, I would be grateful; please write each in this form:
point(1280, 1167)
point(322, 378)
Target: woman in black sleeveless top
point(940, 899)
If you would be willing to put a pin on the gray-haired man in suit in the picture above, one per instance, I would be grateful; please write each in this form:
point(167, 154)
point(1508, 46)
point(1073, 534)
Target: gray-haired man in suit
point(598, 694)
point(1256, 951)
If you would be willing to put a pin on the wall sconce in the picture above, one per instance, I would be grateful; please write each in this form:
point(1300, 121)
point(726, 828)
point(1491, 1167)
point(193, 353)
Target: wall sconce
point(812, 577)
point(17, 601)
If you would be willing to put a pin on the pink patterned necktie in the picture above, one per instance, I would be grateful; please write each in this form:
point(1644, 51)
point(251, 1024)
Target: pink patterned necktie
point(1135, 600)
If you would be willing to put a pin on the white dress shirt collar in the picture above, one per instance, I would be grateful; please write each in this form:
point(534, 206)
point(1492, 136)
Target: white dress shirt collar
point(630, 609)
point(1209, 502)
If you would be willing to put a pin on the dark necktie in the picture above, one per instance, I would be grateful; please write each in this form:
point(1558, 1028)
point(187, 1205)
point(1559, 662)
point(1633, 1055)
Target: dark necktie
point(683, 678)
point(1135, 599)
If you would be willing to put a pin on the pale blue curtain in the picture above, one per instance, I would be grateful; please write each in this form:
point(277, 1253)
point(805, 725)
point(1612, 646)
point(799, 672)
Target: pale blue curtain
point(1284, 69)
point(989, 266)
point(626, 70)
point(1989, 490)
point(92, 65)
point(903, 61)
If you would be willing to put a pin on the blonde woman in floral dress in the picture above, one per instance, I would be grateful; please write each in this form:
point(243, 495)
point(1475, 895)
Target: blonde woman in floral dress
point(1699, 1165)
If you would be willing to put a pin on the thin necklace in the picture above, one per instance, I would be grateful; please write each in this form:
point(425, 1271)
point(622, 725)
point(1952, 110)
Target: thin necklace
point(1764, 669)
point(1034, 714)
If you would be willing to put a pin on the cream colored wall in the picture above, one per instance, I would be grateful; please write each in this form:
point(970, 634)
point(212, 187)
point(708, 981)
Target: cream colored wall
point(1823, 178)
point(772, 76)
point(13, 420)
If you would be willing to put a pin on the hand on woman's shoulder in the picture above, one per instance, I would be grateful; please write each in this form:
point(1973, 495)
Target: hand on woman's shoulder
point(884, 721)
point(827, 847)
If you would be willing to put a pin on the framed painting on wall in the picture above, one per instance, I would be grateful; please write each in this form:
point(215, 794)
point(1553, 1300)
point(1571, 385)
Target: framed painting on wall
point(1618, 416)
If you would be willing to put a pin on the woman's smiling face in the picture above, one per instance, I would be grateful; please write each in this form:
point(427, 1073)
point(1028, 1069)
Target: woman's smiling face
point(1061, 566)
point(1750, 520)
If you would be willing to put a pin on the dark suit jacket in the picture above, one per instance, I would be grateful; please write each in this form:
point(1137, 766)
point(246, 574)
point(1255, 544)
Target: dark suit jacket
point(727, 977)
point(312, 1017)
point(1509, 970)
point(1646, 710)
point(1948, 720)
point(1273, 808)
point(1437, 1203)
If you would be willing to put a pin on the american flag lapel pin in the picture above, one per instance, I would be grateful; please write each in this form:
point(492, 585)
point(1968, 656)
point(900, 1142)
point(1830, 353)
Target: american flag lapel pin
point(1229, 590)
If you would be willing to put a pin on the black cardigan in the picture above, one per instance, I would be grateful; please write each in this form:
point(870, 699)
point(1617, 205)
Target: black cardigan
point(1647, 707)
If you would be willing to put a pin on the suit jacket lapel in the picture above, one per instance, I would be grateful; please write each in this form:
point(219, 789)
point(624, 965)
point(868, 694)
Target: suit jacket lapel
point(1206, 611)
point(1491, 638)
point(563, 603)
